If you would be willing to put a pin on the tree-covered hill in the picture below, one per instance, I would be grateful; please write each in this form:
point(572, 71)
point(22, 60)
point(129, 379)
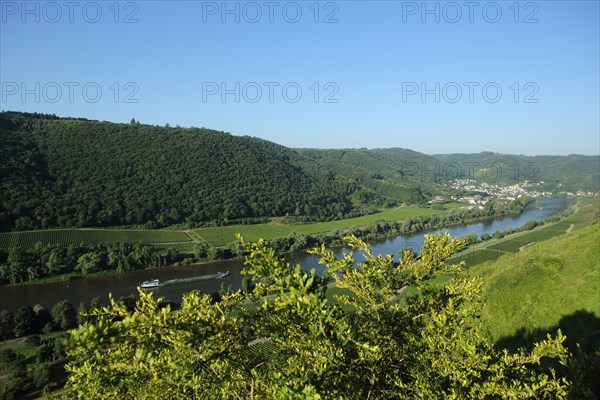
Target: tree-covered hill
point(390, 171)
point(70, 172)
point(559, 173)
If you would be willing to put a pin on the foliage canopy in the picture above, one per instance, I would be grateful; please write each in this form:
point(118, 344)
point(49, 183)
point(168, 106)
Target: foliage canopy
point(394, 334)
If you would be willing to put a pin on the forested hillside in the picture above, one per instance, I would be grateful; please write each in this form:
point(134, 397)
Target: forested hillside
point(71, 172)
point(559, 173)
point(417, 176)
point(68, 172)
point(391, 173)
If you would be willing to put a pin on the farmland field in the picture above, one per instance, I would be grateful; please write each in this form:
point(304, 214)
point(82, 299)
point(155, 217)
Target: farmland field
point(513, 245)
point(88, 237)
point(216, 236)
point(226, 234)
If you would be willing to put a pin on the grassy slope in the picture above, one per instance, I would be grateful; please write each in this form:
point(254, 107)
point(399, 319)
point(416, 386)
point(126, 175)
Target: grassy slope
point(542, 284)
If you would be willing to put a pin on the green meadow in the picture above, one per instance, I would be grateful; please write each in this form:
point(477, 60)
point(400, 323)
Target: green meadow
point(226, 234)
point(184, 240)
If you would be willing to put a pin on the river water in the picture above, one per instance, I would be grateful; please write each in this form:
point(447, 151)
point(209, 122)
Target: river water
point(15, 296)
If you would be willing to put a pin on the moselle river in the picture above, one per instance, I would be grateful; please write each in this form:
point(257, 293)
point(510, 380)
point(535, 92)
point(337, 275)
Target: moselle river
point(15, 296)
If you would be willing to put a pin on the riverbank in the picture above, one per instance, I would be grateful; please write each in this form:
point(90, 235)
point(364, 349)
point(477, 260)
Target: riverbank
point(570, 221)
point(381, 226)
point(223, 235)
point(514, 243)
point(125, 284)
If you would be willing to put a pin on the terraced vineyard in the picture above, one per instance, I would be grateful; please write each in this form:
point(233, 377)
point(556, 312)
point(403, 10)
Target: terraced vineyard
point(88, 237)
point(538, 235)
point(515, 244)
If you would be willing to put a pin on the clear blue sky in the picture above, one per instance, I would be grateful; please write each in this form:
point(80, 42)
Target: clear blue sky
point(375, 58)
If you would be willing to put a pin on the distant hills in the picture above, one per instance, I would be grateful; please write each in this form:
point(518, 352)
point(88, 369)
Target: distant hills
point(419, 176)
point(68, 172)
point(559, 173)
point(392, 173)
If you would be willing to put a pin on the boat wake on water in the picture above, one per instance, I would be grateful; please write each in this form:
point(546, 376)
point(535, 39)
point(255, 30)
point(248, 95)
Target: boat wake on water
point(155, 283)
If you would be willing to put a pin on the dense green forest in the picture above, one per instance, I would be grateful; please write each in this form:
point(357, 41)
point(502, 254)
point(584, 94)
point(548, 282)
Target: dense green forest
point(387, 171)
point(29, 265)
point(559, 173)
point(76, 173)
point(67, 172)
point(392, 173)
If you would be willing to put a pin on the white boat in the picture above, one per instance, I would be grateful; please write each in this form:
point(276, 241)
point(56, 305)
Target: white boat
point(150, 284)
point(221, 275)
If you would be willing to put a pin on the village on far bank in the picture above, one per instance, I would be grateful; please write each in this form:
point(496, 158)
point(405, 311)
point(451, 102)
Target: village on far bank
point(498, 192)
